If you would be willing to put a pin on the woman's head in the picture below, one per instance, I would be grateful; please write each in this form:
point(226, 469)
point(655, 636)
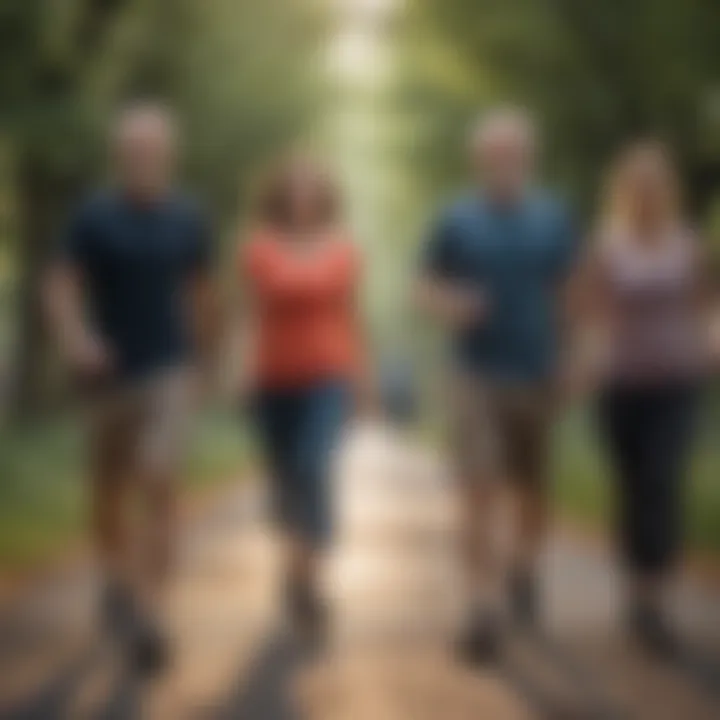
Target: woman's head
point(643, 190)
point(299, 193)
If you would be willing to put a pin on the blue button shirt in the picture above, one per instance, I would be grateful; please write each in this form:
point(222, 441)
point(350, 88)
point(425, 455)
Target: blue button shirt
point(136, 262)
point(517, 256)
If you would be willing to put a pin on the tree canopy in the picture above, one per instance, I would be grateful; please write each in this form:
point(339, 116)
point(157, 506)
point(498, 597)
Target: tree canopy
point(597, 74)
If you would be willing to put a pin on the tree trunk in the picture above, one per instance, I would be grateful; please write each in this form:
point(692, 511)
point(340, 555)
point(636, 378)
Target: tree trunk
point(40, 195)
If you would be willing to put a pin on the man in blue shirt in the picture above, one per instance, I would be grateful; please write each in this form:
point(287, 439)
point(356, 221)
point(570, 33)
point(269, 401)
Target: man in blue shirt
point(493, 273)
point(128, 297)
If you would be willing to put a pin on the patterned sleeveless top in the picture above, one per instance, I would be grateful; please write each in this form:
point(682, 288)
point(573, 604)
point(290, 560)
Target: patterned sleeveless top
point(654, 328)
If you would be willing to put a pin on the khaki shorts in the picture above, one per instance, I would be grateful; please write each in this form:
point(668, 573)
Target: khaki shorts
point(500, 431)
point(143, 427)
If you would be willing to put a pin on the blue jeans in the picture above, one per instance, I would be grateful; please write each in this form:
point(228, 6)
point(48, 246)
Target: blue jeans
point(299, 429)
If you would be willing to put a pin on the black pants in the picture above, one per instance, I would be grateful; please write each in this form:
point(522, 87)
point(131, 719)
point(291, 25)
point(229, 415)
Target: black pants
point(648, 434)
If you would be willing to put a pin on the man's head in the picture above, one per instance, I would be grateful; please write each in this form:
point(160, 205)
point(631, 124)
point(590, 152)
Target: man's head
point(503, 145)
point(144, 145)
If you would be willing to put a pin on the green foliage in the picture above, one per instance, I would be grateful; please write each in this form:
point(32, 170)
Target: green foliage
point(242, 78)
point(596, 73)
point(240, 75)
point(43, 493)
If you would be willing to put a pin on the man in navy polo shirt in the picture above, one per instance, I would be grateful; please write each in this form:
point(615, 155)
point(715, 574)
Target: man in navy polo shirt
point(493, 273)
point(127, 296)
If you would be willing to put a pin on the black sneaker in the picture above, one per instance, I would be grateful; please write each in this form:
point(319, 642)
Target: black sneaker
point(149, 651)
point(480, 641)
point(308, 613)
point(524, 599)
point(655, 634)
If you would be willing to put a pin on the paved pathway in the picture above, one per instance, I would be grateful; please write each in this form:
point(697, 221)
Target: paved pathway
point(396, 594)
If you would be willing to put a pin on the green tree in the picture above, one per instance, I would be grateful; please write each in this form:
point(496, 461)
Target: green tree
point(48, 52)
point(598, 73)
point(238, 73)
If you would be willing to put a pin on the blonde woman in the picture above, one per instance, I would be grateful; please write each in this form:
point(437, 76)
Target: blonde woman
point(645, 291)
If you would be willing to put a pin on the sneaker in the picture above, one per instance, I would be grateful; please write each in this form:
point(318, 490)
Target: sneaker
point(652, 629)
point(524, 599)
point(480, 641)
point(149, 652)
point(307, 612)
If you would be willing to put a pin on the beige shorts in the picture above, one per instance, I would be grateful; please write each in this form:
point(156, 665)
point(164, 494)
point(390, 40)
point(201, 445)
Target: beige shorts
point(500, 431)
point(143, 427)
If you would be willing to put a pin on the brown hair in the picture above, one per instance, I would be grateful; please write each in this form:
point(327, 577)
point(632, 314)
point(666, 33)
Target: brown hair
point(274, 199)
point(618, 192)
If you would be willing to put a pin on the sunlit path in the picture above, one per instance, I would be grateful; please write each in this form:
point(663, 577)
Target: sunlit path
point(396, 597)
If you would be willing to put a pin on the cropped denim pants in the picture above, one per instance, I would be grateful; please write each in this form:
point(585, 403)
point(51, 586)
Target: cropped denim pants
point(299, 429)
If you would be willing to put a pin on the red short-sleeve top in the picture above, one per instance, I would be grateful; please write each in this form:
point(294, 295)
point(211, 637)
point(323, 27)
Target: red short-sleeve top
point(305, 305)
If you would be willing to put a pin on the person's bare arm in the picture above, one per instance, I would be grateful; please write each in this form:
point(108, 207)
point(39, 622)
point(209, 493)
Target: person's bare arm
point(366, 391)
point(584, 311)
point(448, 303)
point(79, 344)
point(206, 319)
point(241, 323)
point(707, 302)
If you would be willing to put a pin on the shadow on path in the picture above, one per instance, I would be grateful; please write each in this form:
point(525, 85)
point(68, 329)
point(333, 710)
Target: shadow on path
point(124, 700)
point(51, 700)
point(266, 690)
point(701, 669)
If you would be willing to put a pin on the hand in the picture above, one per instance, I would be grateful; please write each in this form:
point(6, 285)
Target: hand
point(368, 405)
point(90, 358)
point(577, 381)
point(463, 307)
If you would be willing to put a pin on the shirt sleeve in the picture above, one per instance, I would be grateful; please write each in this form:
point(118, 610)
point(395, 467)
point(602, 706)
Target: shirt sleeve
point(438, 257)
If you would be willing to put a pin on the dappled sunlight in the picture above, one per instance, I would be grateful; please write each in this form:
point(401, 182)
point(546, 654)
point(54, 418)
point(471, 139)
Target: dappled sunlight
point(357, 360)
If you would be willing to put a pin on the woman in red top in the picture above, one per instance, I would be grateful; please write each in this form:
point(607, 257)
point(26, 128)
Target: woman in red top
point(300, 274)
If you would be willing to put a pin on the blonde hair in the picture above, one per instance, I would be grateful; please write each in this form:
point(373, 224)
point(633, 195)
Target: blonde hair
point(616, 216)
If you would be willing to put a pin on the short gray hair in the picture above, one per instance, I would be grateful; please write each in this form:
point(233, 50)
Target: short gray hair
point(148, 111)
point(506, 118)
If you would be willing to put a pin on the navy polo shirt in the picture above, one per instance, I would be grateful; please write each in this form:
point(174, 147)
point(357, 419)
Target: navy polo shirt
point(517, 255)
point(136, 261)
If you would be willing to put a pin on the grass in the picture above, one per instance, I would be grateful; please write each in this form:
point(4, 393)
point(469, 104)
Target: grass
point(42, 490)
point(42, 493)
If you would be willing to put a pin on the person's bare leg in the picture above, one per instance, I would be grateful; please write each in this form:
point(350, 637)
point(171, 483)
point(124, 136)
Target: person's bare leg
point(480, 520)
point(112, 493)
point(528, 437)
point(110, 501)
point(160, 520)
point(161, 435)
point(481, 515)
point(153, 553)
point(532, 523)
